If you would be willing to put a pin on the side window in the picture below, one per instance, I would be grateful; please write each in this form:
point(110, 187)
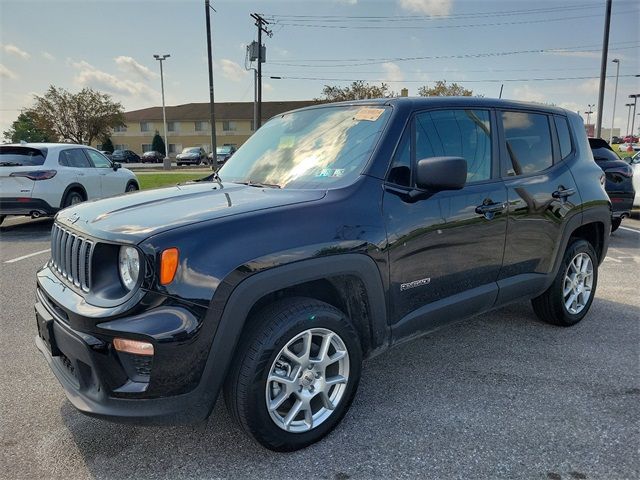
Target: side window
point(528, 138)
point(73, 158)
point(564, 137)
point(98, 160)
point(400, 172)
point(457, 133)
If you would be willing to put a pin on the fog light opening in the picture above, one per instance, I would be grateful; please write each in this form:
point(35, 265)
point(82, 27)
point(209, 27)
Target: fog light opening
point(135, 347)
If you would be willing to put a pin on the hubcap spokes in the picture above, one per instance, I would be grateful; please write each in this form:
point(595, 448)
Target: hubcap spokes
point(578, 283)
point(307, 380)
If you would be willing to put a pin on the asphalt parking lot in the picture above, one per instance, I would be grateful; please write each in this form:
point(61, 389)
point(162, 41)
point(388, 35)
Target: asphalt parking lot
point(499, 396)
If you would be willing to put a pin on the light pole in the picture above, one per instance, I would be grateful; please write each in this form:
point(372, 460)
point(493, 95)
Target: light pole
point(633, 118)
point(629, 105)
point(589, 112)
point(615, 95)
point(161, 58)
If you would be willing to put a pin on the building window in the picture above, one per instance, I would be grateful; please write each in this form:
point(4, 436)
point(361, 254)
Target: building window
point(146, 147)
point(175, 148)
point(172, 126)
point(229, 126)
point(145, 126)
point(122, 146)
point(120, 129)
point(201, 126)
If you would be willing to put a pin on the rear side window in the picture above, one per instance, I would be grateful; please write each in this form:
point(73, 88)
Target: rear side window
point(74, 158)
point(12, 156)
point(457, 133)
point(528, 140)
point(564, 137)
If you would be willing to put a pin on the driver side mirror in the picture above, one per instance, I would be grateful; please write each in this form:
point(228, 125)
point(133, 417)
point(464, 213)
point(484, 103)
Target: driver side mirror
point(116, 166)
point(436, 174)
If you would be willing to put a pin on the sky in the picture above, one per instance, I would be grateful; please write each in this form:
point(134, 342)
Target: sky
point(109, 45)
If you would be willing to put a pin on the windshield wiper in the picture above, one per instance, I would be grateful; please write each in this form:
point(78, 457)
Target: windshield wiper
point(259, 184)
point(10, 164)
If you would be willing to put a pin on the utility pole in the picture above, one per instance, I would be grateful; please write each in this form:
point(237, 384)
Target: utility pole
point(261, 23)
point(162, 58)
point(628, 105)
point(615, 96)
point(212, 119)
point(603, 67)
point(633, 118)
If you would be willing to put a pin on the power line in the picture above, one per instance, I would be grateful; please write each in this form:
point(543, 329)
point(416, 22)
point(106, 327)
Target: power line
point(491, 80)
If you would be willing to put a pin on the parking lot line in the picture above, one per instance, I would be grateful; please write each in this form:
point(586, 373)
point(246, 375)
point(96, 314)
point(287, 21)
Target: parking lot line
point(629, 229)
point(13, 260)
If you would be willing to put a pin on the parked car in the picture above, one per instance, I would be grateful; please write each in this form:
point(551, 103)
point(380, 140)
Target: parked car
point(630, 139)
point(125, 156)
point(619, 183)
point(38, 179)
point(223, 154)
point(106, 154)
point(336, 232)
point(191, 155)
point(629, 147)
point(152, 157)
point(635, 165)
point(616, 140)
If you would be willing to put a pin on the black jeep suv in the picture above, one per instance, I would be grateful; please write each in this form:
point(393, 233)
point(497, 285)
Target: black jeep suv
point(333, 233)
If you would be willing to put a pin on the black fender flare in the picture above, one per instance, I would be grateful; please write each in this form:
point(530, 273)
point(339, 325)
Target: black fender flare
point(230, 323)
point(73, 186)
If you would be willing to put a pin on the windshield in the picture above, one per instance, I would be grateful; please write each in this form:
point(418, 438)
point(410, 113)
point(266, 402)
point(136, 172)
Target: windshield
point(191, 150)
point(223, 149)
point(316, 148)
point(21, 156)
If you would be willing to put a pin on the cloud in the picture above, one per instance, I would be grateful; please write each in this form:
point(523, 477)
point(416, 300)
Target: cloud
point(6, 73)
point(48, 56)
point(267, 87)
point(527, 94)
point(348, 2)
point(590, 87)
point(129, 65)
point(571, 106)
point(427, 7)
point(90, 76)
point(232, 70)
point(393, 73)
point(16, 51)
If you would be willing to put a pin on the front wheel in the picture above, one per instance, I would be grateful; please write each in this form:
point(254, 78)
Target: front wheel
point(295, 374)
point(569, 297)
point(131, 187)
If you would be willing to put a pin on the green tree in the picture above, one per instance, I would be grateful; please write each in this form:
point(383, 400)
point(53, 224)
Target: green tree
point(107, 145)
point(80, 117)
point(442, 89)
point(25, 129)
point(356, 91)
point(157, 144)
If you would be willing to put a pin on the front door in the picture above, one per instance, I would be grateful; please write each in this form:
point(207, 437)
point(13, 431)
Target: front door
point(111, 181)
point(445, 251)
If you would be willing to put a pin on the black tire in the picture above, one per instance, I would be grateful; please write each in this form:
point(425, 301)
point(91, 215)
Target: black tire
point(179, 164)
point(550, 306)
point(2, 217)
point(267, 333)
point(132, 187)
point(615, 223)
point(72, 197)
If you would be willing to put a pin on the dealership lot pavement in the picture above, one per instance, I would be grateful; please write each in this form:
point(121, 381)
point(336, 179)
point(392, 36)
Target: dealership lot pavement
point(498, 396)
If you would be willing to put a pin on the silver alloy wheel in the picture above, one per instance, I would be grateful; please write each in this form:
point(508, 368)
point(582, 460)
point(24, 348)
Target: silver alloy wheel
point(578, 282)
point(307, 380)
point(75, 199)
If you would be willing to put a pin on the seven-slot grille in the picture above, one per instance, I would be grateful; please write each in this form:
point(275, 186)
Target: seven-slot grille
point(71, 256)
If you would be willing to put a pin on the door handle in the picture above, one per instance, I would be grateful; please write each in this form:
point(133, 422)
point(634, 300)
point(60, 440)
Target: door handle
point(490, 208)
point(563, 192)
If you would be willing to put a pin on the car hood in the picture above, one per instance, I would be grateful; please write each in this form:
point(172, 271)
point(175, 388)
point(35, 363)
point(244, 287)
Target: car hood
point(134, 217)
point(188, 155)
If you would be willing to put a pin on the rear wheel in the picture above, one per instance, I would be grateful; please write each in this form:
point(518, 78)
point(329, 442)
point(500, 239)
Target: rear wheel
point(569, 297)
point(132, 187)
point(615, 223)
point(295, 374)
point(72, 198)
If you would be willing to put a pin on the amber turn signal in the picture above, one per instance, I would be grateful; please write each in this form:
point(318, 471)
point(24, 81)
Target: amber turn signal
point(168, 265)
point(133, 346)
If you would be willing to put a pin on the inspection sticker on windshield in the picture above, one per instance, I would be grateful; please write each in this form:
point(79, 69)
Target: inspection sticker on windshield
point(370, 114)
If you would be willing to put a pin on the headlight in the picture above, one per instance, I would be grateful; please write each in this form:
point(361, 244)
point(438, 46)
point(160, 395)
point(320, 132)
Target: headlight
point(129, 266)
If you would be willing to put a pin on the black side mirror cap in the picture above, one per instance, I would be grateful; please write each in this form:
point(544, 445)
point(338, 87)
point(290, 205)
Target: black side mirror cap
point(436, 174)
point(116, 166)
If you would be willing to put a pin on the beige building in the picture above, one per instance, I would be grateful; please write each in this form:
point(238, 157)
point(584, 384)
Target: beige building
point(188, 125)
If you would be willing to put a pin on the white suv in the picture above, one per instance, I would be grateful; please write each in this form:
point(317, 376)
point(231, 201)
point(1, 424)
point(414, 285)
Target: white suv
point(40, 178)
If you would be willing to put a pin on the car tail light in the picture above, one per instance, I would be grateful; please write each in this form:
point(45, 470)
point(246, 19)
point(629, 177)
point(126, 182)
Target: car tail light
point(36, 174)
point(625, 171)
point(168, 265)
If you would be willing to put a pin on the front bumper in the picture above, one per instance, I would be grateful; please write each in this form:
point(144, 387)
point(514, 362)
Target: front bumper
point(25, 206)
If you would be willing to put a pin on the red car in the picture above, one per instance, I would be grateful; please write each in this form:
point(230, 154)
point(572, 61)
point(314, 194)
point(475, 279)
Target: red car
point(630, 139)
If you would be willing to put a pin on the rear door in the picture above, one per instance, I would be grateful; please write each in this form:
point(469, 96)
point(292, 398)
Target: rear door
point(445, 251)
point(542, 196)
point(112, 181)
